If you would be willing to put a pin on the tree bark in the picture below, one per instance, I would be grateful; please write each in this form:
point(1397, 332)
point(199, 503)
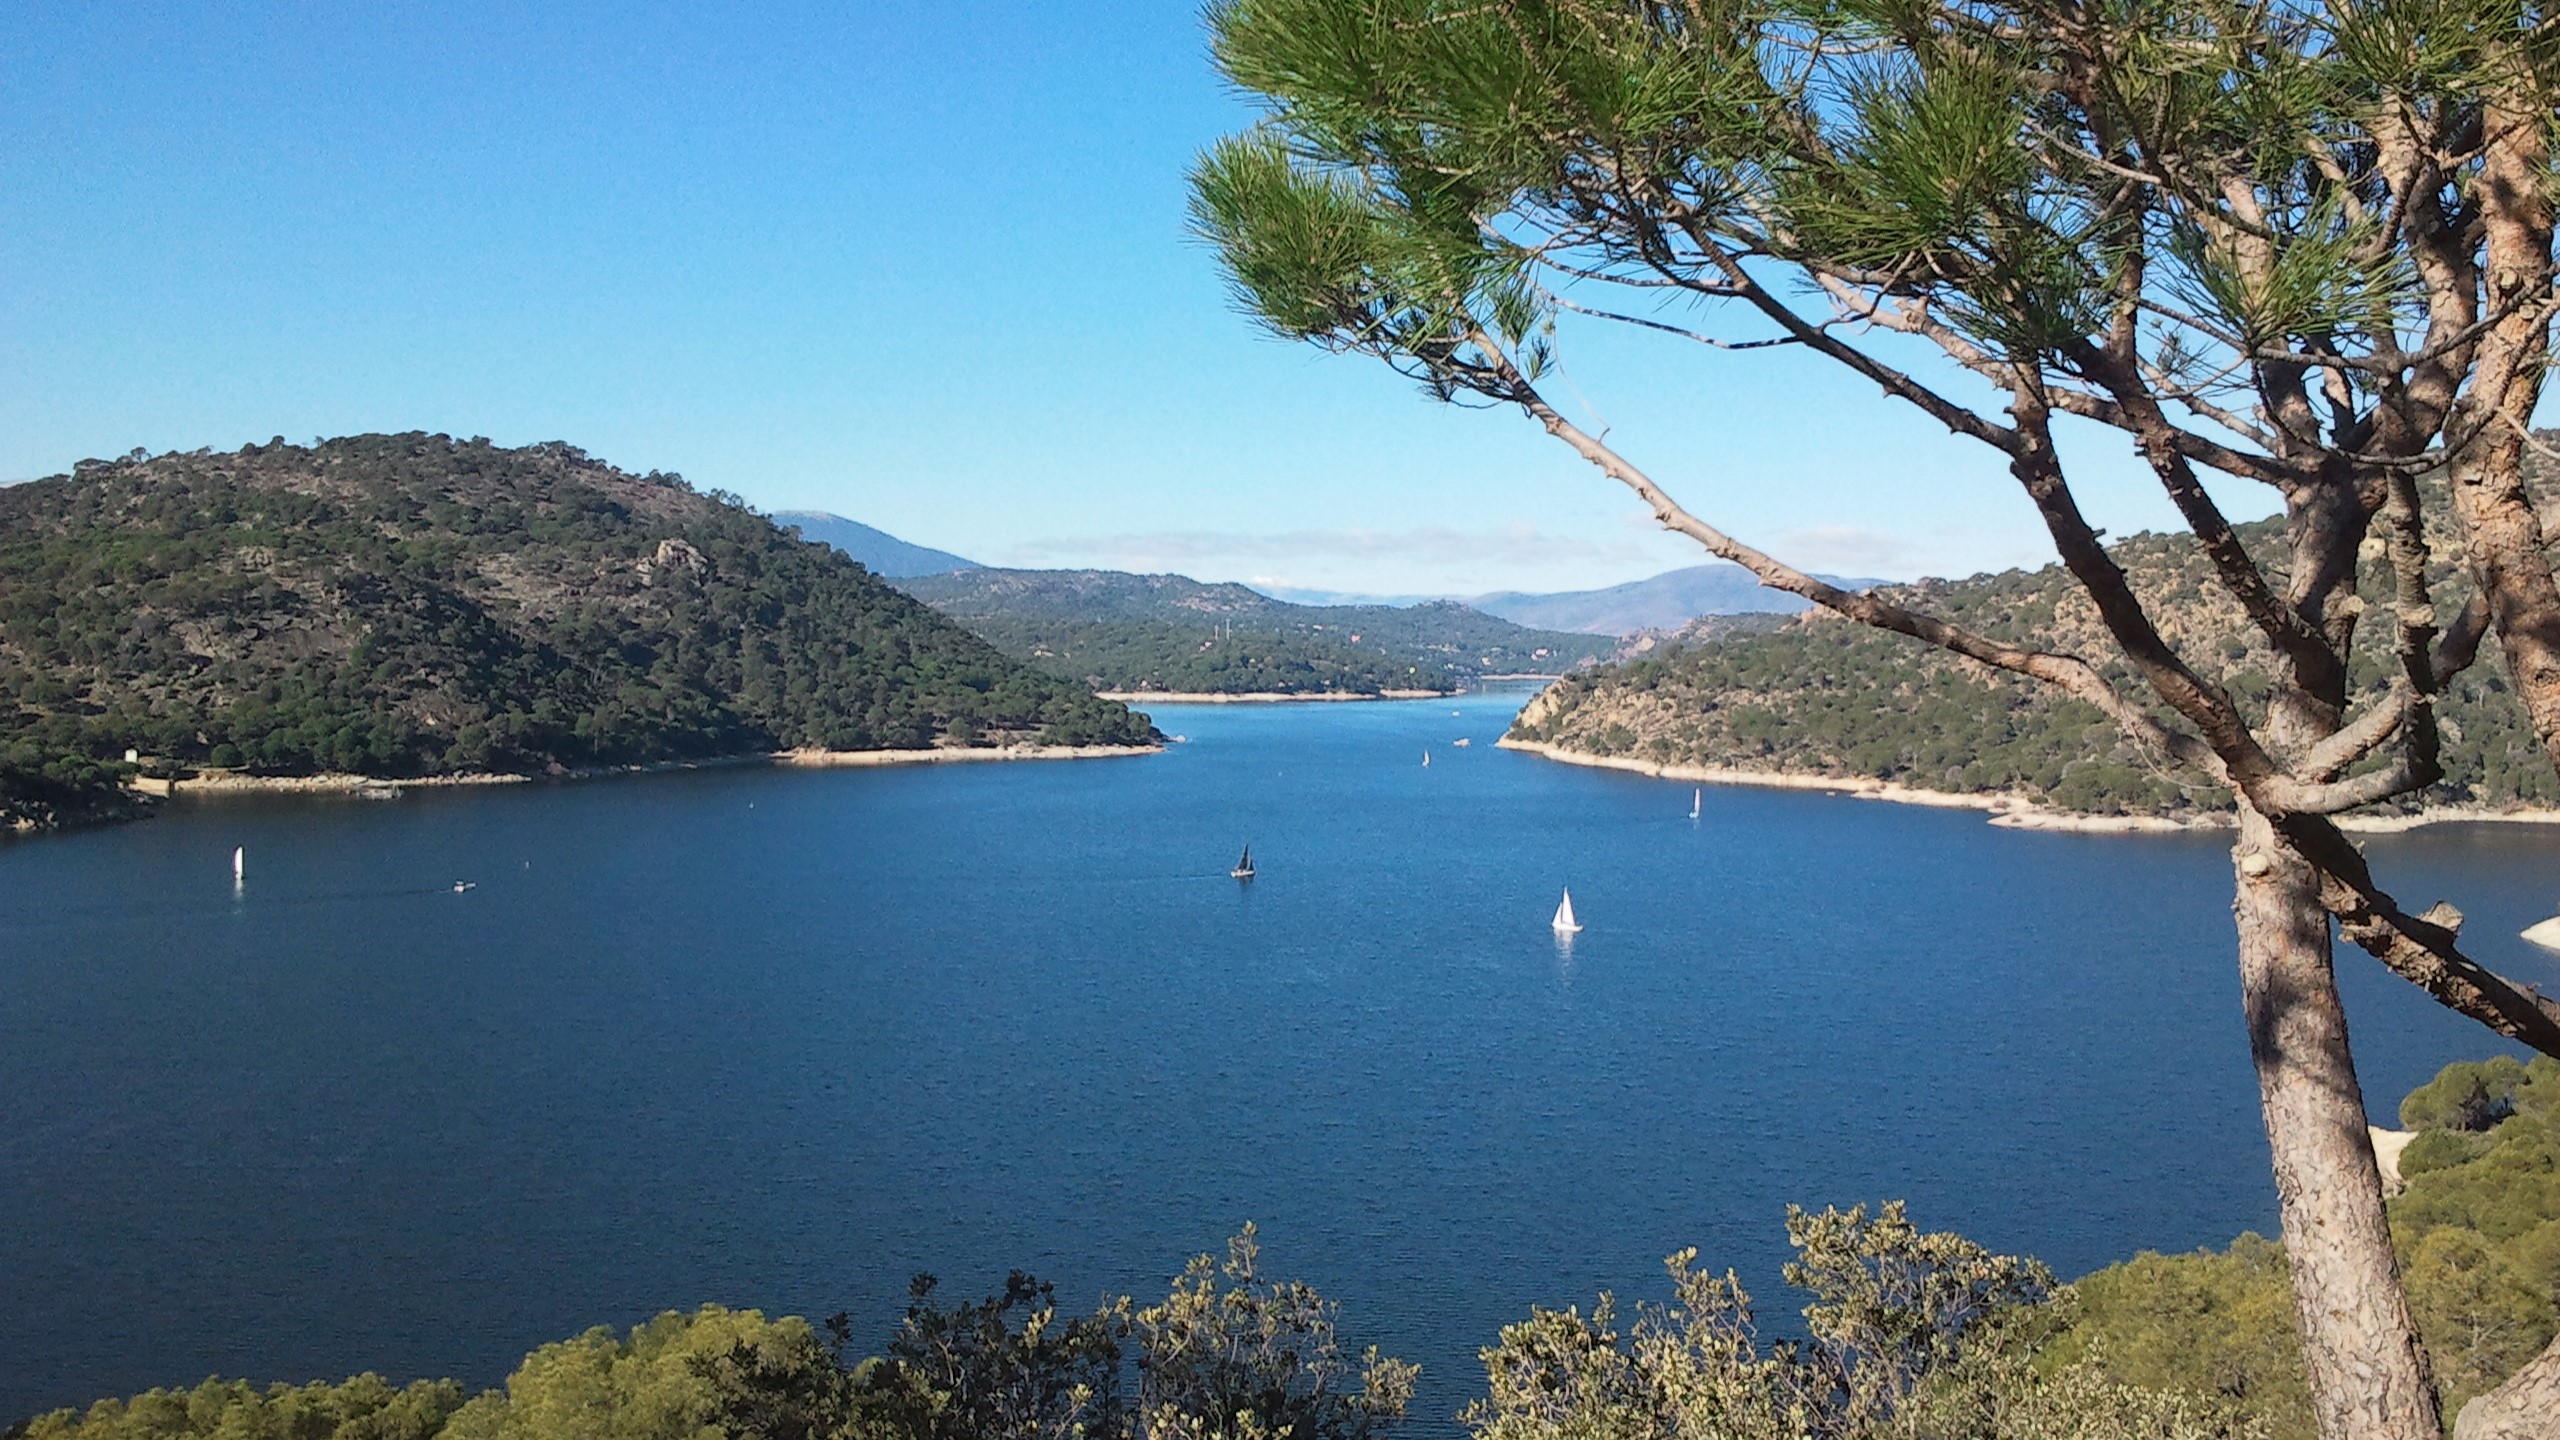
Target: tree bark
point(2527, 1407)
point(2502, 533)
point(2368, 1379)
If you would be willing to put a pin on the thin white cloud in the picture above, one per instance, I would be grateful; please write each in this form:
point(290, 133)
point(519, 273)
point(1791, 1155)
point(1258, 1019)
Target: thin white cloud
point(1515, 546)
point(1850, 550)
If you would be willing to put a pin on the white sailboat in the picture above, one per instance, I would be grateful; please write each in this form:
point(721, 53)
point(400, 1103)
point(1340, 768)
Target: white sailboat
point(1565, 923)
point(1697, 798)
point(239, 863)
point(1244, 867)
point(1426, 759)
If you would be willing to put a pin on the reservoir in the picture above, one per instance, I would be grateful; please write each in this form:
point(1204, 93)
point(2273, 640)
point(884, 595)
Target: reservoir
point(782, 1039)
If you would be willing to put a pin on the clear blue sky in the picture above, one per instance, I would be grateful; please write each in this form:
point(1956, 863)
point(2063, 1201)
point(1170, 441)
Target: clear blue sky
point(918, 264)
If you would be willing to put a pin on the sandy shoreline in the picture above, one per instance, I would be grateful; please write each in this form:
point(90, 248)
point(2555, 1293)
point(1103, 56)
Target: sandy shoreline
point(1262, 697)
point(854, 759)
point(342, 784)
point(2008, 811)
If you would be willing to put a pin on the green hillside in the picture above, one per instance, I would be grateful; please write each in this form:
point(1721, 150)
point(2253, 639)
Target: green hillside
point(1826, 696)
point(408, 605)
point(1117, 631)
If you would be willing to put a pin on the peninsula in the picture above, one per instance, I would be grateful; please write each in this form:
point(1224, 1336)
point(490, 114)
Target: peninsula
point(1819, 702)
point(415, 606)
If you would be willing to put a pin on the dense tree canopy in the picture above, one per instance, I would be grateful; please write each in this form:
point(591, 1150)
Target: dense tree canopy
point(403, 605)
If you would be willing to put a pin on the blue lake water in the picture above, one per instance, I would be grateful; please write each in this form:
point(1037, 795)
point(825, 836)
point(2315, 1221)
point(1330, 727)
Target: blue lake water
point(781, 1039)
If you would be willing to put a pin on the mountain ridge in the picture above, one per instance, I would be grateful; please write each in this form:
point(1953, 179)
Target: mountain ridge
point(1658, 602)
point(882, 553)
point(1127, 632)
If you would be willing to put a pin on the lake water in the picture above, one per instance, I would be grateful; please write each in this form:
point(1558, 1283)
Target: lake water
point(780, 1039)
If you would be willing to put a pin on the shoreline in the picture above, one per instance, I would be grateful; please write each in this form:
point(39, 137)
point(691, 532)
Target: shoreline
point(338, 783)
point(1264, 697)
point(2011, 812)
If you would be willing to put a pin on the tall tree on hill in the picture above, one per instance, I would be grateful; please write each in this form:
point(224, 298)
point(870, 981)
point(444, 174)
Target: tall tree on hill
point(2307, 247)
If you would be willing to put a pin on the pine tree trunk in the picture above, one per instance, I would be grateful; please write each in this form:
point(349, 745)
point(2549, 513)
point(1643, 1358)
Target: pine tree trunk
point(2368, 1379)
point(2527, 1407)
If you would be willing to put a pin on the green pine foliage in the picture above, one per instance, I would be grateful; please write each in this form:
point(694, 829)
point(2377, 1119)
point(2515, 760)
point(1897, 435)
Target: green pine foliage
point(366, 1407)
point(406, 605)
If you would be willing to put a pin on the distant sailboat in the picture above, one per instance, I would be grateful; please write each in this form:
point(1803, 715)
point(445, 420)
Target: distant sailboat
point(1696, 799)
point(239, 864)
point(1565, 923)
point(2545, 933)
point(1244, 867)
point(1426, 759)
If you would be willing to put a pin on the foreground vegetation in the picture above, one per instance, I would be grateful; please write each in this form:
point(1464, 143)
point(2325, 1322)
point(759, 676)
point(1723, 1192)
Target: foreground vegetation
point(1904, 1335)
point(406, 605)
point(1115, 631)
point(2477, 1229)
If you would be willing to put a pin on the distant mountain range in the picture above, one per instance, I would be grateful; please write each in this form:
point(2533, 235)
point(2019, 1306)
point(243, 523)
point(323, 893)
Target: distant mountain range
point(1664, 602)
point(880, 552)
point(1123, 632)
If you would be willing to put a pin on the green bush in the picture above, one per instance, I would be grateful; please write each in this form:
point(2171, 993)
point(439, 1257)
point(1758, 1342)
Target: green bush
point(364, 1408)
point(2478, 1230)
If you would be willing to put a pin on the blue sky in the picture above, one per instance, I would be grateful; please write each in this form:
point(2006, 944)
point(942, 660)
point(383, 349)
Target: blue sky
point(918, 264)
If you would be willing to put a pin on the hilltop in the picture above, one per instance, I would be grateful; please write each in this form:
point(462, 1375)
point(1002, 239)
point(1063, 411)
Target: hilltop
point(1117, 631)
point(880, 552)
point(414, 605)
point(1661, 602)
point(1824, 697)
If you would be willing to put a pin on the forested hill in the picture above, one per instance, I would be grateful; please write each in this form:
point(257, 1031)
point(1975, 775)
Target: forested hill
point(1118, 631)
point(1829, 697)
point(405, 605)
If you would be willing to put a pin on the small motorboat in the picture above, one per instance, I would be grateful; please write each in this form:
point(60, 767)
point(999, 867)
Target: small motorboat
point(461, 885)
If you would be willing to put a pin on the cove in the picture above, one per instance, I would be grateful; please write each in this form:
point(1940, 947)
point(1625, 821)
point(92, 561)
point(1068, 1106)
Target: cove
point(783, 1038)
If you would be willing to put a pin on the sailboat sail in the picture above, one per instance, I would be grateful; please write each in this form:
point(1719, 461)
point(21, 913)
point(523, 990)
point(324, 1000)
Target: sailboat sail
point(1244, 866)
point(1697, 798)
point(1565, 923)
point(239, 862)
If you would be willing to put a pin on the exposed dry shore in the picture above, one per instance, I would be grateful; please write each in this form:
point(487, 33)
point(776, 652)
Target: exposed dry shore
point(2010, 811)
point(1261, 697)
point(845, 759)
point(338, 784)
